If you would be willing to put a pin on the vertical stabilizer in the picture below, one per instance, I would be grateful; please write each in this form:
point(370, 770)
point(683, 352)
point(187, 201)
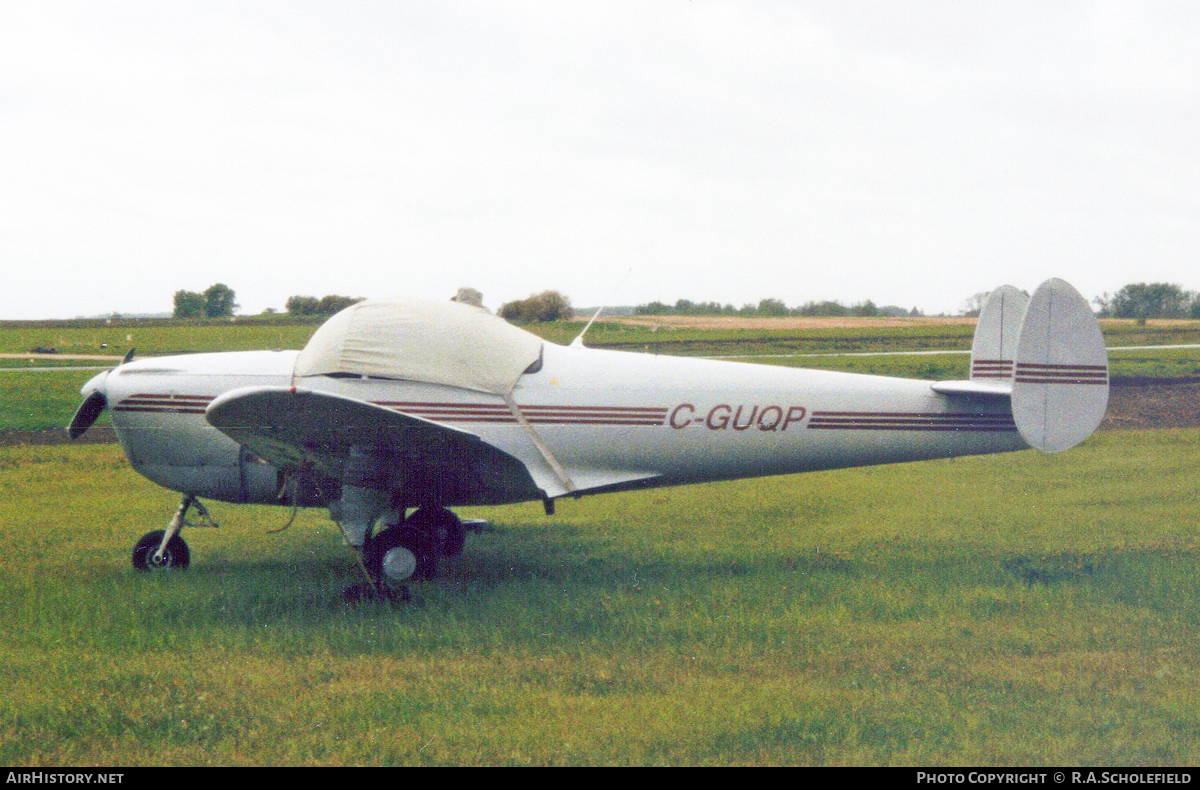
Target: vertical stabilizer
point(1060, 388)
point(996, 334)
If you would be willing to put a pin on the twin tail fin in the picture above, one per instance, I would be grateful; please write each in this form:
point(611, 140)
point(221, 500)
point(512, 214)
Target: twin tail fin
point(1046, 355)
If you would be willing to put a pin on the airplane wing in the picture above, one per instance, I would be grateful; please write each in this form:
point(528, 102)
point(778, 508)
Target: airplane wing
point(293, 427)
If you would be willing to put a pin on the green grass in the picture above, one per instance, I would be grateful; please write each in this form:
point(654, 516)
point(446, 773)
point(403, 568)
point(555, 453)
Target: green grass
point(917, 337)
point(935, 367)
point(40, 400)
point(152, 338)
point(165, 336)
point(32, 400)
point(1159, 363)
point(1017, 609)
point(716, 342)
point(1156, 363)
point(25, 363)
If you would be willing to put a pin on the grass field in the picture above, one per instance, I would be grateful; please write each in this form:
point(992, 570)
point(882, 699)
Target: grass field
point(159, 336)
point(43, 400)
point(36, 364)
point(39, 400)
point(1171, 363)
point(153, 338)
point(1017, 609)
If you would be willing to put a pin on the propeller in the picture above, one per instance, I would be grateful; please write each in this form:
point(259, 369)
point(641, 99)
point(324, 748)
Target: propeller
point(95, 401)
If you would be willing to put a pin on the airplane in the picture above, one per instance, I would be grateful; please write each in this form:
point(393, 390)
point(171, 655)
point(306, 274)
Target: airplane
point(398, 410)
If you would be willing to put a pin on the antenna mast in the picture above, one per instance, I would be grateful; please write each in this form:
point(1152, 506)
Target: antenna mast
point(578, 341)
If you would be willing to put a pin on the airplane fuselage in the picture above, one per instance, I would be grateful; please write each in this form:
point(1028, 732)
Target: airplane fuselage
point(613, 420)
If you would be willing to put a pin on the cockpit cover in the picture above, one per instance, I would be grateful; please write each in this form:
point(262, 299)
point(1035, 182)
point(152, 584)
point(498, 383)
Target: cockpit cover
point(436, 342)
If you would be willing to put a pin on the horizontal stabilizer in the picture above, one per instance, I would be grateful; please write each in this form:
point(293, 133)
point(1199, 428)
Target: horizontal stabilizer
point(1060, 384)
point(975, 389)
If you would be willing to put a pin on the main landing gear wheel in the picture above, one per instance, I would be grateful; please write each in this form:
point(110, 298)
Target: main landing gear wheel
point(401, 552)
point(176, 556)
point(389, 558)
point(443, 526)
point(411, 549)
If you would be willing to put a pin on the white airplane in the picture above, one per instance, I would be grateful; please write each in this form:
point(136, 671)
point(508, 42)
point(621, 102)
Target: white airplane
point(397, 410)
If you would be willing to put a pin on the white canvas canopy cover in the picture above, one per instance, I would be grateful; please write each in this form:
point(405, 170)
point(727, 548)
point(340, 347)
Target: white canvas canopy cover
point(434, 342)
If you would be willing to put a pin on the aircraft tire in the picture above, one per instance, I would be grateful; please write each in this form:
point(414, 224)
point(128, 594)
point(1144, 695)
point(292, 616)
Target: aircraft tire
point(177, 556)
point(444, 526)
point(423, 547)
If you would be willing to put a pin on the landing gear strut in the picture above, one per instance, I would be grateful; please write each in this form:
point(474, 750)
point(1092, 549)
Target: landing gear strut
point(163, 549)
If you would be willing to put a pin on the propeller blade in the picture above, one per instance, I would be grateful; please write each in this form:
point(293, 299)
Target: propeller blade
point(86, 414)
point(128, 357)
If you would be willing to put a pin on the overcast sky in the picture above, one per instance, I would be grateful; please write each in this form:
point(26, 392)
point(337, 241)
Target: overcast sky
point(911, 153)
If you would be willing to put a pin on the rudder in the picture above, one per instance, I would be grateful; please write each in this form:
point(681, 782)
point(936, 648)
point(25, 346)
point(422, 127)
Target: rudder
point(996, 334)
point(1060, 387)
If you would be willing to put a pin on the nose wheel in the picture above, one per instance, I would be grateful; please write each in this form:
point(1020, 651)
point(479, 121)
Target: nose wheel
point(163, 549)
point(175, 556)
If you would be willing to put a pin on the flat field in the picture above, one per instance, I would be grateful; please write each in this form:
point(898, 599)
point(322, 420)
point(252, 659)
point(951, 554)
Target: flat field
point(1016, 609)
point(1012, 610)
point(681, 336)
point(45, 399)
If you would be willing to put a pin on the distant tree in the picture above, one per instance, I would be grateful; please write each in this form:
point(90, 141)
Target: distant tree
point(826, 308)
point(651, 308)
point(893, 311)
point(188, 304)
point(1149, 300)
point(973, 306)
point(546, 306)
point(219, 301)
point(772, 307)
point(302, 305)
point(685, 307)
point(865, 309)
point(471, 296)
point(326, 305)
point(335, 304)
point(767, 307)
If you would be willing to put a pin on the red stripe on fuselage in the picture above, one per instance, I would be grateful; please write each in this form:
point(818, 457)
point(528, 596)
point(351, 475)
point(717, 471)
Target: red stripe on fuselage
point(910, 421)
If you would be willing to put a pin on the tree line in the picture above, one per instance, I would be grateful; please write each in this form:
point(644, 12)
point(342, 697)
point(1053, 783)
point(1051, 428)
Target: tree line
point(773, 308)
point(1136, 300)
point(1139, 301)
point(220, 301)
point(326, 305)
point(1149, 300)
point(217, 301)
point(537, 308)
